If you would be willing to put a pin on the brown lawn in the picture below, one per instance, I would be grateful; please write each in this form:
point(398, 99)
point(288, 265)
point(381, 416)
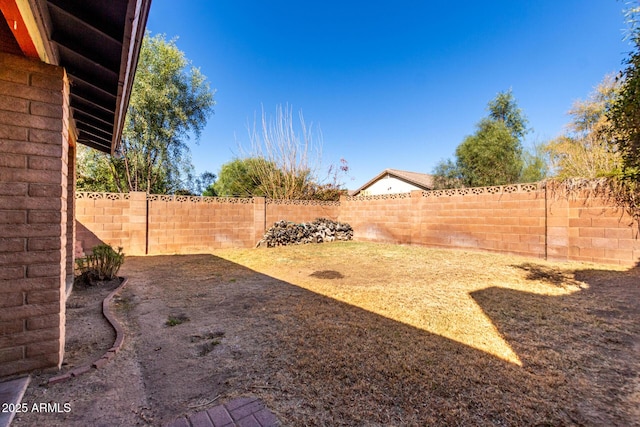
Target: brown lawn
point(374, 334)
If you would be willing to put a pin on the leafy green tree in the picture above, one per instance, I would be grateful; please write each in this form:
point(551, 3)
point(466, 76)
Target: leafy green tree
point(588, 148)
point(241, 178)
point(170, 102)
point(493, 155)
point(504, 108)
point(625, 116)
point(446, 175)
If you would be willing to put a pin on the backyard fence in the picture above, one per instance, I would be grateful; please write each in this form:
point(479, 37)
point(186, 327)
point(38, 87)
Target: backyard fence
point(525, 219)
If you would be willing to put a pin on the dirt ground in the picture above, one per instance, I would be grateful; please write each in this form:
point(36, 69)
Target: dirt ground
point(358, 334)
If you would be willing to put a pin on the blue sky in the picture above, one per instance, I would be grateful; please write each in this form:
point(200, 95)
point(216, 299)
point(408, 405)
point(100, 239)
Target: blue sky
point(391, 84)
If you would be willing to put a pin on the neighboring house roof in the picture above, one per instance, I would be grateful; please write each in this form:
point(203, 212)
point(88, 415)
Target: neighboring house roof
point(421, 180)
point(98, 44)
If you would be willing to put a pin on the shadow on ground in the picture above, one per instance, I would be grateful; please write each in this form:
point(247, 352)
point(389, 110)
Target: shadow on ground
point(317, 361)
point(201, 330)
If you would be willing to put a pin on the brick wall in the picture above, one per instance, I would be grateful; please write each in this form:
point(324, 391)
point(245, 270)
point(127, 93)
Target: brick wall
point(502, 219)
point(299, 210)
point(34, 166)
point(117, 219)
point(184, 224)
point(160, 224)
point(523, 219)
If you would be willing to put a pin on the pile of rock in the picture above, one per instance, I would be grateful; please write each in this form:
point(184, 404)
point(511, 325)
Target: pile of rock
point(320, 230)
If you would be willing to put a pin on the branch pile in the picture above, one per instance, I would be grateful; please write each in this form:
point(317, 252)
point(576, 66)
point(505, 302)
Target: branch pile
point(320, 230)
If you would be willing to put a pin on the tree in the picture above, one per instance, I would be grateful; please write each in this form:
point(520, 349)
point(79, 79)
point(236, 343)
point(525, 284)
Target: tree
point(504, 108)
point(625, 116)
point(494, 154)
point(535, 164)
point(170, 103)
point(240, 178)
point(290, 158)
point(588, 148)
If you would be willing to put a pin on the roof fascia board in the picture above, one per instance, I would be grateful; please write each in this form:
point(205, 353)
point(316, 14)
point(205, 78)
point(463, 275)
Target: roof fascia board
point(22, 23)
point(137, 13)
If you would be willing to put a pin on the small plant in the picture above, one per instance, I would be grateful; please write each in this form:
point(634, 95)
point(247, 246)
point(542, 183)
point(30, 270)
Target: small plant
point(176, 320)
point(102, 264)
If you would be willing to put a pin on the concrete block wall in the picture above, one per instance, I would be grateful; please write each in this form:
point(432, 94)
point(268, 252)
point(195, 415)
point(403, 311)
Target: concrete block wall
point(34, 169)
point(599, 232)
point(184, 224)
point(523, 219)
point(506, 219)
point(299, 211)
point(116, 219)
point(379, 218)
point(161, 224)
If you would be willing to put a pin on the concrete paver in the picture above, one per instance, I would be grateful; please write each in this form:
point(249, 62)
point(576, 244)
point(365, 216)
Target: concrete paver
point(11, 393)
point(240, 412)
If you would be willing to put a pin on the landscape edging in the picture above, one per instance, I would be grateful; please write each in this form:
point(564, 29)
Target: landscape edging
point(109, 354)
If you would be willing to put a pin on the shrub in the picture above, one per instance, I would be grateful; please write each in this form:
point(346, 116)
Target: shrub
point(103, 263)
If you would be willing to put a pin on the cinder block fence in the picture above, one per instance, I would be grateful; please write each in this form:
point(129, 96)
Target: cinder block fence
point(523, 219)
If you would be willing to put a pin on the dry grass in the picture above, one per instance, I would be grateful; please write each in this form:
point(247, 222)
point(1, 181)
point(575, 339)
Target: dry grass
point(428, 289)
point(559, 327)
point(372, 334)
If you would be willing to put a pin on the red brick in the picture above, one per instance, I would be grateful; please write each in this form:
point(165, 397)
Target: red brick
point(11, 327)
point(14, 75)
point(619, 254)
point(28, 365)
point(26, 284)
point(30, 175)
point(12, 299)
point(30, 230)
point(13, 161)
point(42, 297)
point(21, 63)
point(46, 136)
point(45, 190)
point(43, 270)
point(9, 103)
point(11, 354)
point(592, 254)
point(42, 203)
point(14, 189)
point(13, 132)
point(46, 110)
point(12, 245)
point(19, 147)
point(43, 243)
point(43, 322)
point(11, 272)
point(28, 310)
point(36, 349)
point(30, 121)
point(609, 222)
point(13, 217)
point(45, 163)
point(50, 81)
point(628, 244)
point(44, 217)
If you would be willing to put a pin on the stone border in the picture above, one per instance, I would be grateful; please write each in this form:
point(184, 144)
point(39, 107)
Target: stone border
point(109, 354)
